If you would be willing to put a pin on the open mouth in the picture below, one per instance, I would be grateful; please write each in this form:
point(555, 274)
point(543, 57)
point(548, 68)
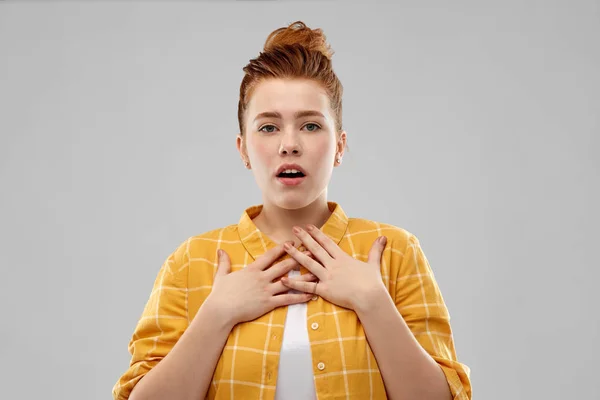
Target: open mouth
point(291, 173)
point(291, 177)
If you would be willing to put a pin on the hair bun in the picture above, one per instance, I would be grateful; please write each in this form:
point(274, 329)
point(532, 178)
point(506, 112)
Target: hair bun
point(298, 33)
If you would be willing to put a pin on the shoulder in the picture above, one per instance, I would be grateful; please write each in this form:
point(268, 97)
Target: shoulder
point(212, 240)
point(202, 246)
point(397, 236)
point(203, 241)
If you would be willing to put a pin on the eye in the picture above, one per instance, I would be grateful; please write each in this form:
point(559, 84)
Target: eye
point(270, 128)
point(312, 127)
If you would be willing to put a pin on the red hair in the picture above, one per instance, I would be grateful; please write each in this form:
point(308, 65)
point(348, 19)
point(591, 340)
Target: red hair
point(295, 51)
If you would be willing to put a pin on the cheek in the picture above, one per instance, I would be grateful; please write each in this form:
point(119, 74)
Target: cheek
point(324, 150)
point(260, 154)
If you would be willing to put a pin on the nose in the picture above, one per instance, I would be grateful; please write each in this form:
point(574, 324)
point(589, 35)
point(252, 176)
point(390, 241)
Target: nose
point(290, 145)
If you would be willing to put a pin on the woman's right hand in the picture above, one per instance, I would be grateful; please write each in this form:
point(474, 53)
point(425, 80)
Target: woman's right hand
point(250, 293)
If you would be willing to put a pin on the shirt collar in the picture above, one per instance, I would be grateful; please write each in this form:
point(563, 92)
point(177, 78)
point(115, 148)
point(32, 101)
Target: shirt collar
point(256, 243)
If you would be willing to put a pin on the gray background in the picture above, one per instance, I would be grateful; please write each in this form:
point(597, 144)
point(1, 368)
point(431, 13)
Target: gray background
point(473, 125)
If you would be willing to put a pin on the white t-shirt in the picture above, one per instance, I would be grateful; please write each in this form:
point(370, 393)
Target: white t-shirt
point(295, 379)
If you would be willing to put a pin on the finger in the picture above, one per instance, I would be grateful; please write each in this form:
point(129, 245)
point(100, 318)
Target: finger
point(307, 277)
point(283, 267)
point(278, 287)
point(290, 298)
point(313, 266)
point(376, 251)
point(313, 246)
point(268, 258)
point(224, 265)
point(301, 286)
point(325, 241)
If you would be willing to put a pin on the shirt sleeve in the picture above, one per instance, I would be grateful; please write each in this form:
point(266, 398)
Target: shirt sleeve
point(420, 302)
point(163, 321)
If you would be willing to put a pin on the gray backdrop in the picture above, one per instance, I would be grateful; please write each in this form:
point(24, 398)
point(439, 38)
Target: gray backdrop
point(473, 125)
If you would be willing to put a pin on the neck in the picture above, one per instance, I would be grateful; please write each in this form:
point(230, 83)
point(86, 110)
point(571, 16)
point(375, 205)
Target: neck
point(277, 222)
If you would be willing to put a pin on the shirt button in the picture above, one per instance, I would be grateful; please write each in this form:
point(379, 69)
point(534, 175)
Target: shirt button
point(314, 326)
point(321, 366)
point(314, 297)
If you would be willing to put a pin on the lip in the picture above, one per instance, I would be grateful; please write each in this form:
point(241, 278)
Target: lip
point(283, 167)
point(291, 181)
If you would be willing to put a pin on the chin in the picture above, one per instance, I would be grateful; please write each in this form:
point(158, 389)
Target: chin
point(293, 201)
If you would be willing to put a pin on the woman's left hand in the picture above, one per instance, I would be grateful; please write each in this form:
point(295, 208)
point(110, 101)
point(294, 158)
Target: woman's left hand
point(343, 280)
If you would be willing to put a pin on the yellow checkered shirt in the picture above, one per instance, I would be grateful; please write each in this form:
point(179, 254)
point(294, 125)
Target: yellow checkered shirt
point(344, 366)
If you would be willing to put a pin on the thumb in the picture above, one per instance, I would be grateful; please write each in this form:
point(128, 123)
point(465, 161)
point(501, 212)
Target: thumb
point(376, 251)
point(224, 266)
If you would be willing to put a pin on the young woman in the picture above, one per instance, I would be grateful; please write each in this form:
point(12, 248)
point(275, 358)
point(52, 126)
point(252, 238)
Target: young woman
point(296, 300)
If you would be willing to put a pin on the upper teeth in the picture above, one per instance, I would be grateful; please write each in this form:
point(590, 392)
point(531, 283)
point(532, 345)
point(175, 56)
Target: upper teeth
point(290, 171)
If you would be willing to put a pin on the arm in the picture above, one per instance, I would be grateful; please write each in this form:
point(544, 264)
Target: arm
point(186, 371)
point(175, 357)
point(411, 338)
point(171, 357)
point(408, 370)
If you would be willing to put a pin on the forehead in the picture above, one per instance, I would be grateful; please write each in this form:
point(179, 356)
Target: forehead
point(288, 96)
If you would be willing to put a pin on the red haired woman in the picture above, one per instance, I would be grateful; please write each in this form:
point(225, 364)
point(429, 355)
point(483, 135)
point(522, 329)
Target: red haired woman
point(296, 300)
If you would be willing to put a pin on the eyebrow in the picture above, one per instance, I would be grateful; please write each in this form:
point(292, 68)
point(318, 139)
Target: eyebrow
point(298, 114)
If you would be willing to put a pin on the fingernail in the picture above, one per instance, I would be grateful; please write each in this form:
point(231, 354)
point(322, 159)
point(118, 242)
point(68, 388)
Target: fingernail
point(287, 245)
point(219, 253)
point(309, 227)
point(296, 229)
point(383, 240)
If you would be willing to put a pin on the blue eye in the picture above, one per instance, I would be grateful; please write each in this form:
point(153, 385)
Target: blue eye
point(267, 126)
point(271, 128)
point(316, 127)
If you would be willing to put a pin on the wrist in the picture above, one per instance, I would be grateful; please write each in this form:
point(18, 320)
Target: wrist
point(217, 313)
point(371, 299)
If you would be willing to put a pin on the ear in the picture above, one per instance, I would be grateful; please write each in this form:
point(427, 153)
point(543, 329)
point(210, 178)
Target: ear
point(340, 147)
point(241, 146)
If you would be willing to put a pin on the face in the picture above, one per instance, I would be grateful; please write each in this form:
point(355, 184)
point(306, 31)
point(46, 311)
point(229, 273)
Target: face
point(289, 125)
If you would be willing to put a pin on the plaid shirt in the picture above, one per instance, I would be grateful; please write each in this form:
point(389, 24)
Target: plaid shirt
point(344, 366)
